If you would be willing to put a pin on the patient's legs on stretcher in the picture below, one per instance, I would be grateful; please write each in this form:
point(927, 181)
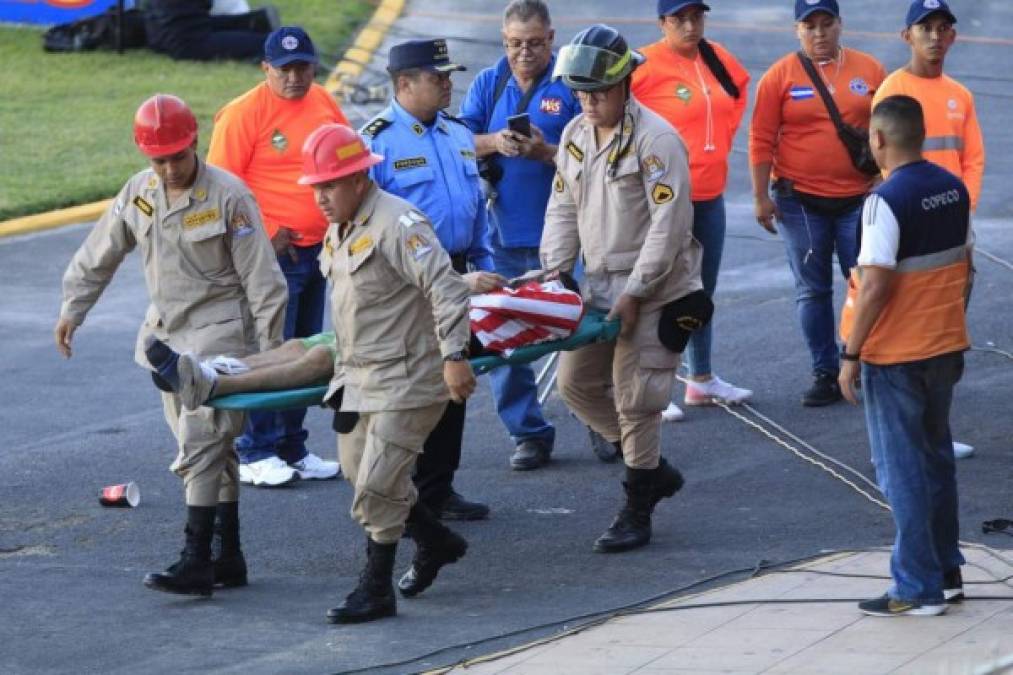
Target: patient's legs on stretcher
point(290, 366)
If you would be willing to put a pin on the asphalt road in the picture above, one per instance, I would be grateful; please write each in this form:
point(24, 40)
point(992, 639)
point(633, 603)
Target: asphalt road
point(70, 570)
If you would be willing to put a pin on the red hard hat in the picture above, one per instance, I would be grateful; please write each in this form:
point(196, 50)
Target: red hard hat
point(334, 151)
point(164, 125)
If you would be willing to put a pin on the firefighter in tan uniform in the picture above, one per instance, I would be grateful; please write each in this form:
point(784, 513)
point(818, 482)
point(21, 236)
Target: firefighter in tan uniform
point(621, 199)
point(215, 288)
point(400, 316)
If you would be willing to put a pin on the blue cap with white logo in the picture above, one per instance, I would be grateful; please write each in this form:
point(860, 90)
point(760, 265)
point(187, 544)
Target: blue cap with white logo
point(670, 7)
point(921, 9)
point(803, 8)
point(288, 44)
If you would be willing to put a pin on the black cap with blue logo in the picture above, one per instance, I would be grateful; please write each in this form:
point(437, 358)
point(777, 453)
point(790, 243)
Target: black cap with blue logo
point(289, 44)
point(426, 54)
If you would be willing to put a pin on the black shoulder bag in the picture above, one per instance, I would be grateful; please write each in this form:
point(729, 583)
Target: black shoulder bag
point(855, 139)
point(718, 69)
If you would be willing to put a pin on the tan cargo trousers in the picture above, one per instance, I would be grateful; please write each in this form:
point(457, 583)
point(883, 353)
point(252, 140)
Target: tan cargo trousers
point(377, 457)
point(620, 388)
point(206, 460)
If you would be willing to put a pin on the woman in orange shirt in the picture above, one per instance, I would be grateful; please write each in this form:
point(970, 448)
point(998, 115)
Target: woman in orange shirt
point(700, 88)
point(818, 192)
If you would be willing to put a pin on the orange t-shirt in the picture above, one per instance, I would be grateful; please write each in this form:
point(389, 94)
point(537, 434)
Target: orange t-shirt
point(792, 129)
point(686, 93)
point(259, 137)
point(952, 135)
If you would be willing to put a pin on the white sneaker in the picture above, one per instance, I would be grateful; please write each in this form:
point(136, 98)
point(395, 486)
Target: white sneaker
point(672, 413)
point(715, 389)
point(196, 381)
point(962, 450)
point(268, 472)
point(312, 467)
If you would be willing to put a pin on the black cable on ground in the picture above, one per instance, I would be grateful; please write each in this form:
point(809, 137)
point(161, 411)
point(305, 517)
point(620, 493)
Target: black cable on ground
point(593, 619)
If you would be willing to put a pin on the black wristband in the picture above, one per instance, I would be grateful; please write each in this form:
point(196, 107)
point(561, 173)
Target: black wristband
point(850, 357)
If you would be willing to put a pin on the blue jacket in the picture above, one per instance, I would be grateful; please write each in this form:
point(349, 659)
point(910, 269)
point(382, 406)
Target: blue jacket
point(434, 167)
point(519, 211)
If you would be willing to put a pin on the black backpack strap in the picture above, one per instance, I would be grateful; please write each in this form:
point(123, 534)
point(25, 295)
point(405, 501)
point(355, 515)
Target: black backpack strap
point(821, 87)
point(717, 67)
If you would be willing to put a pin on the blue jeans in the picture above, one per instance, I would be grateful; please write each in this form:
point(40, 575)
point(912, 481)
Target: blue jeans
point(513, 387)
point(907, 410)
point(709, 230)
point(282, 433)
point(810, 239)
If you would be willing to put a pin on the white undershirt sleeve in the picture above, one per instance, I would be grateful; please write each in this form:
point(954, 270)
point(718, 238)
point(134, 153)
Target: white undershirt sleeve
point(880, 234)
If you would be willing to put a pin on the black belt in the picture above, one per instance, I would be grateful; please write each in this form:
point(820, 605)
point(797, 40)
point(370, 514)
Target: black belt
point(459, 261)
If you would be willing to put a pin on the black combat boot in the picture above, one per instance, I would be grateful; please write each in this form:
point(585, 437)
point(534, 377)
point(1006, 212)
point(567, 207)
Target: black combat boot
point(193, 573)
point(436, 546)
point(632, 527)
point(667, 481)
point(227, 557)
point(374, 597)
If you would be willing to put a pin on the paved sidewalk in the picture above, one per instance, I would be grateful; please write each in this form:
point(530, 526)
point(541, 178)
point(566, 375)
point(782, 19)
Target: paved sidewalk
point(830, 637)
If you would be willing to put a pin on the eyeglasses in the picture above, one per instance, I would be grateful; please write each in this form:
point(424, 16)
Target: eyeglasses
point(532, 45)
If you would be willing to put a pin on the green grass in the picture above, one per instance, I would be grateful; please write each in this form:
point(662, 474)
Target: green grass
point(66, 120)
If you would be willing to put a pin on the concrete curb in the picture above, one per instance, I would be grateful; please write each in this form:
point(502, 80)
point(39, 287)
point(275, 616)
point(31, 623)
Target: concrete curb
point(348, 68)
point(351, 65)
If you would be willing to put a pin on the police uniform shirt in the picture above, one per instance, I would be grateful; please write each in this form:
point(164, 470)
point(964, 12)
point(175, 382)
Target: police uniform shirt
point(213, 279)
point(523, 191)
point(434, 168)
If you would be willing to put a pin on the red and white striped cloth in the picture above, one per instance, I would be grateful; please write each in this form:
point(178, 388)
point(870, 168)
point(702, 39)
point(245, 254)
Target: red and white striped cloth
point(536, 312)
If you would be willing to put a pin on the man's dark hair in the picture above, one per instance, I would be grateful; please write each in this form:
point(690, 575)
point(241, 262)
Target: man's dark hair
point(410, 73)
point(902, 122)
point(526, 10)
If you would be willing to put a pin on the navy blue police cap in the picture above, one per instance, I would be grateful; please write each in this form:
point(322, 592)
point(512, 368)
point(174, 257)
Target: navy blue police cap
point(921, 9)
point(426, 54)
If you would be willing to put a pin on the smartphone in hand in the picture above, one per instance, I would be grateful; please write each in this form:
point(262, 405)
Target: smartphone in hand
point(520, 124)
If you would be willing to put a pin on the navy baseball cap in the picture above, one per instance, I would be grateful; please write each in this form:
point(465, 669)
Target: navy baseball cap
point(288, 44)
point(427, 54)
point(669, 7)
point(920, 9)
point(804, 8)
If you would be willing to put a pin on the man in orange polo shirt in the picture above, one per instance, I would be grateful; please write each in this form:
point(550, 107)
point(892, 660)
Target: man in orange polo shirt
point(259, 137)
point(953, 138)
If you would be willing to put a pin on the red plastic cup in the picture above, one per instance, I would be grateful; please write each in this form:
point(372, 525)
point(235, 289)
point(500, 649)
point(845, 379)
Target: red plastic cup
point(125, 495)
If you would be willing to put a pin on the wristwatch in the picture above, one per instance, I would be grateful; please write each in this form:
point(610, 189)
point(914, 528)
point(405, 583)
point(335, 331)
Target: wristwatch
point(459, 355)
point(845, 356)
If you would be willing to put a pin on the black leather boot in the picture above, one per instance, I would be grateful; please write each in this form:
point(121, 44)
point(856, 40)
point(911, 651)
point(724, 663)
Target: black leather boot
point(226, 556)
point(374, 597)
point(193, 573)
point(632, 527)
point(436, 546)
point(667, 481)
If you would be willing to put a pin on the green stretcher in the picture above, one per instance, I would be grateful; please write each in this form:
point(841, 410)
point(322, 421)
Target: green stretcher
point(593, 328)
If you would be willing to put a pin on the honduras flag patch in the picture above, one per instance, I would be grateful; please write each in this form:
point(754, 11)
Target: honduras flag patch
point(802, 93)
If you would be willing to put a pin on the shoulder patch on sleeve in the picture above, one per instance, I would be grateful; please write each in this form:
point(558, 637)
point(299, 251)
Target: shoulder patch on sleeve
point(662, 194)
point(418, 246)
point(374, 127)
point(143, 206)
point(653, 168)
point(574, 151)
point(240, 225)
